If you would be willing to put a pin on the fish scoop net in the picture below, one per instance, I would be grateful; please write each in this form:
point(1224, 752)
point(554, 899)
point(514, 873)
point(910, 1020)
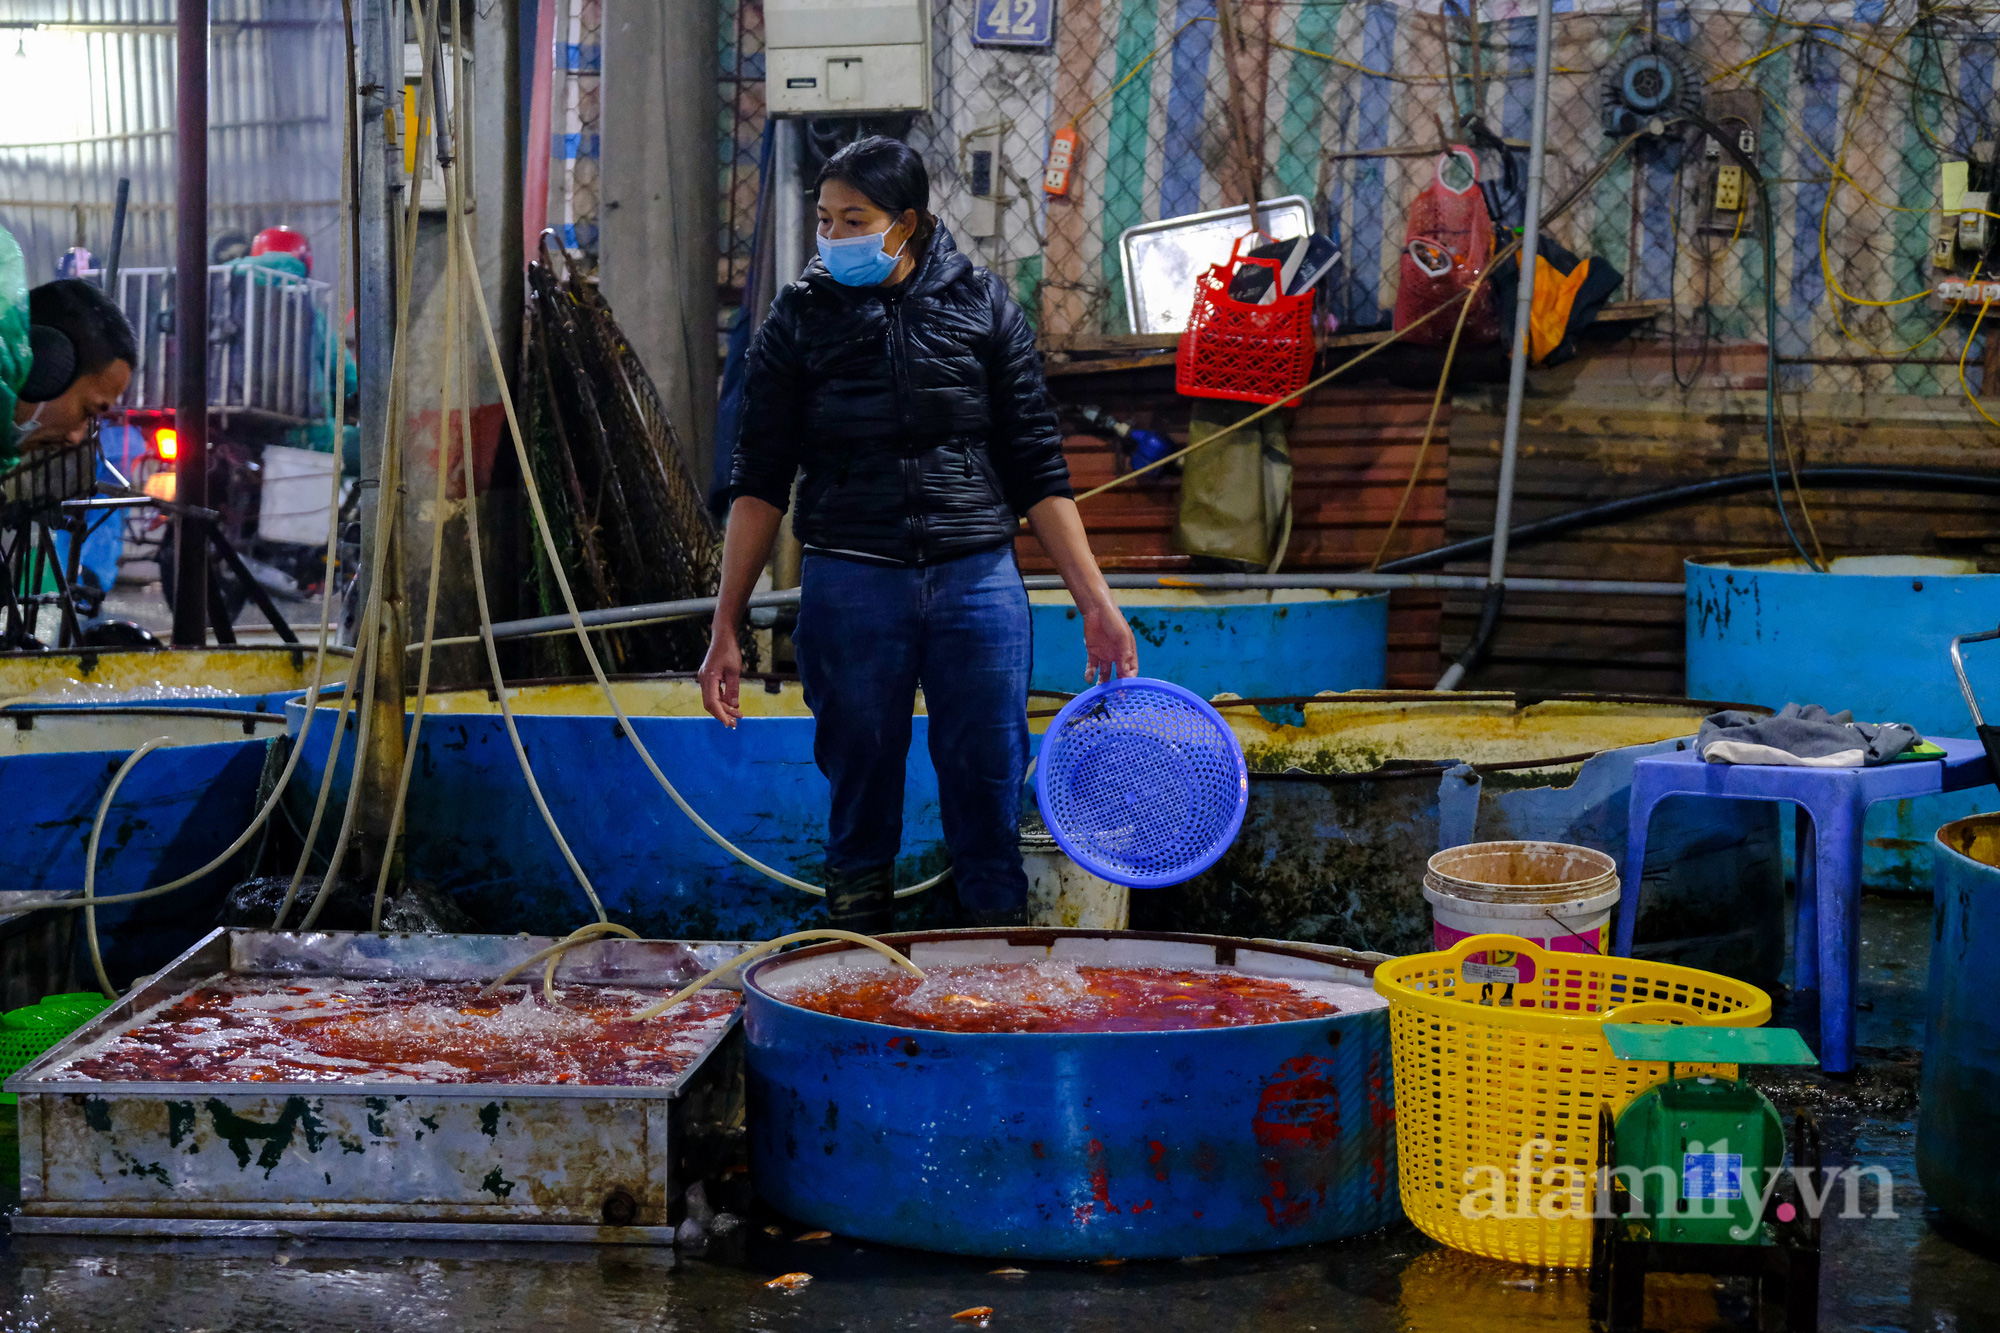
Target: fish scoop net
point(1142, 782)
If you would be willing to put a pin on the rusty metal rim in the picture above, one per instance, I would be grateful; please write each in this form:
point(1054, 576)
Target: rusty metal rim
point(249, 717)
point(172, 650)
point(1759, 559)
point(1430, 770)
point(1225, 946)
point(1522, 699)
point(772, 682)
point(27, 1223)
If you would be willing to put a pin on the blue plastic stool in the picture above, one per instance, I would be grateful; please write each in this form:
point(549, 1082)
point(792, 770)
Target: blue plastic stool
point(1828, 939)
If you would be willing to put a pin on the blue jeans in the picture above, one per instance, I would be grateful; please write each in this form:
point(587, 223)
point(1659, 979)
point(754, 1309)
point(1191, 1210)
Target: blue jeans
point(867, 637)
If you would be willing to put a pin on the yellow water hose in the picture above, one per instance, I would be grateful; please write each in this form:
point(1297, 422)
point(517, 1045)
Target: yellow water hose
point(90, 859)
point(758, 951)
point(554, 953)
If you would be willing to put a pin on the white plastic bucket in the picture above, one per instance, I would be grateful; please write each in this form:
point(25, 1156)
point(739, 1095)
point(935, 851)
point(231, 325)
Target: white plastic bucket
point(1062, 893)
point(1550, 893)
point(297, 492)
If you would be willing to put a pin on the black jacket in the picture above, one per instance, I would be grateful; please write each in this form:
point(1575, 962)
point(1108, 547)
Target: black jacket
point(917, 412)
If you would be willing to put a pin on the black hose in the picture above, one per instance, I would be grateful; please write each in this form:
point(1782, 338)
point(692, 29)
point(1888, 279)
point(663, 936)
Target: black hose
point(1674, 497)
point(1470, 660)
point(1768, 226)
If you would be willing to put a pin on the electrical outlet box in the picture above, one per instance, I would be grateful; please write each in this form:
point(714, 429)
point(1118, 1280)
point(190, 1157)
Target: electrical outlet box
point(1735, 112)
point(1952, 291)
point(984, 174)
point(1974, 226)
point(1728, 189)
point(1989, 292)
point(847, 57)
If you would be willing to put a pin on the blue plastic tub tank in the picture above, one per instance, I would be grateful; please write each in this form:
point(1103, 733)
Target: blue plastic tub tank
point(1075, 1145)
point(1958, 1155)
point(177, 809)
point(473, 831)
point(1871, 634)
point(1254, 643)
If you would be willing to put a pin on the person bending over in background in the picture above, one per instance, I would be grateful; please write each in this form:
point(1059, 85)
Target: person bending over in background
point(81, 354)
point(903, 383)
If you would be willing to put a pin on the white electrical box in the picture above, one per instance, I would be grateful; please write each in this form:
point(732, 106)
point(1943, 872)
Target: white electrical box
point(847, 57)
point(1973, 230)
point(984, 173)
point(416, 128)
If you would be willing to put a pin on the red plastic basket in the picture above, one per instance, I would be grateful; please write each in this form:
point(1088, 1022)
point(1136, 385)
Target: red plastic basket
point(1252, 353)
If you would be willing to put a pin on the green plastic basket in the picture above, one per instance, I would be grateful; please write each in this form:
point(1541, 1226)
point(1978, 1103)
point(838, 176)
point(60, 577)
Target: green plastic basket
point(25, 1033)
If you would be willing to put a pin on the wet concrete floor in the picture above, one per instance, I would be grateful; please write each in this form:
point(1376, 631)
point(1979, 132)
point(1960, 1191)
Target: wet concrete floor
point(1903, 1273)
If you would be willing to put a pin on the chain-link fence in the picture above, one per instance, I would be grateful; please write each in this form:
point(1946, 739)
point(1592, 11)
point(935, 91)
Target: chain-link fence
point(1851, 112)
point(574, 115)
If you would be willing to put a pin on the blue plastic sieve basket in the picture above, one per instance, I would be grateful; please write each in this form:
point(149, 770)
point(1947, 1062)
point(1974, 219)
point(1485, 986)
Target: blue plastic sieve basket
point(1142, 782)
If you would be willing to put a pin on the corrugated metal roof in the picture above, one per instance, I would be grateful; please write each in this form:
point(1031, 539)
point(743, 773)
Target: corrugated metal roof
point(276, 79)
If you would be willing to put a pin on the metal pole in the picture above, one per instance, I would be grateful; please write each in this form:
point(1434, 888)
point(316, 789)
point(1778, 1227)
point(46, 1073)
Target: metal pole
point(1517, 370)
point(191, 320)
point(379, 765)
point(789, 210)
point(375, 316)
point(612, 617)
point(117, 238)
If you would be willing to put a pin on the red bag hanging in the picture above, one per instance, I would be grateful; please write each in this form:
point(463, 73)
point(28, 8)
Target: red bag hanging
point(1233, 349)
point(1447, 245)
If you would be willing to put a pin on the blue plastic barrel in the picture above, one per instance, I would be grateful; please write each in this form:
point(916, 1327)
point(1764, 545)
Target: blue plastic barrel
point(1871, 634)
point(177, 808)
point(1081, 1145)
point(472, 828)
point(1254, 644)
point(1958, 1154)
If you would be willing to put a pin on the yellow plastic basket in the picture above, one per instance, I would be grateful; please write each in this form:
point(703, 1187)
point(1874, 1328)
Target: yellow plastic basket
point(1501, 1066)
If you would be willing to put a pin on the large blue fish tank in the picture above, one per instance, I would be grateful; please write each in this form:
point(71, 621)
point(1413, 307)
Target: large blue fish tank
point(1871, 634)
point(1075, 1145)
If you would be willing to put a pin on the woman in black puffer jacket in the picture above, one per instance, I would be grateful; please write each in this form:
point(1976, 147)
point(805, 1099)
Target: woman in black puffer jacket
point(900, 386)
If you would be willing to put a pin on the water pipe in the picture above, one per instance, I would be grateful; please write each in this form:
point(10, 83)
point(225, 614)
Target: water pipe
point(1517, 369)
point(758, 951)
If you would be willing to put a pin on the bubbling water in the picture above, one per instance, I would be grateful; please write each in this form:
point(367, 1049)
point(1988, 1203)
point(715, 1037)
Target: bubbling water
point(238, 1030)
point(89, 692)
point(1055, 995)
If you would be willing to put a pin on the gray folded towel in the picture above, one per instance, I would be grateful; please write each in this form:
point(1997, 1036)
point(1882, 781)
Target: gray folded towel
point(1801, 734)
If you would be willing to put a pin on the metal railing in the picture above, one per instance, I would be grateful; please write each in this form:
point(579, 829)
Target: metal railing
point(266, 349)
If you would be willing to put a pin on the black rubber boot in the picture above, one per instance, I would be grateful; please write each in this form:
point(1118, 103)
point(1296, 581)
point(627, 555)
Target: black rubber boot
point(1013, 916)
point(863, 901)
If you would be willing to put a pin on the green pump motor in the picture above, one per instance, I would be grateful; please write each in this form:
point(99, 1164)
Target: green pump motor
point(1697, 1180)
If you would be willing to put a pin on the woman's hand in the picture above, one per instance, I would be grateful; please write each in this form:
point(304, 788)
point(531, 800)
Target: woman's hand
point(746, 546)
point(1109, 651)
point(1108, 646)
point(722, 675)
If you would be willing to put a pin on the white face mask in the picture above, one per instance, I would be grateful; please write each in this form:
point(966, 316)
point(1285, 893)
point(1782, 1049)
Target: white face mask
point(23, 429)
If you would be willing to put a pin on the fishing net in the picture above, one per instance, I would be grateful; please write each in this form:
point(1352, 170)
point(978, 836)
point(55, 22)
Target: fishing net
point(625, 514)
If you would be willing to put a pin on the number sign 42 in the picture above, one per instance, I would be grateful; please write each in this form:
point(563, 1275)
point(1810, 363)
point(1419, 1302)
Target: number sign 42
point(1013, 22)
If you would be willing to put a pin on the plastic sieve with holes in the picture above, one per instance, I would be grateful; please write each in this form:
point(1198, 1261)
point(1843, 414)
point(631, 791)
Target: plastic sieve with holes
point(1142, 782)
